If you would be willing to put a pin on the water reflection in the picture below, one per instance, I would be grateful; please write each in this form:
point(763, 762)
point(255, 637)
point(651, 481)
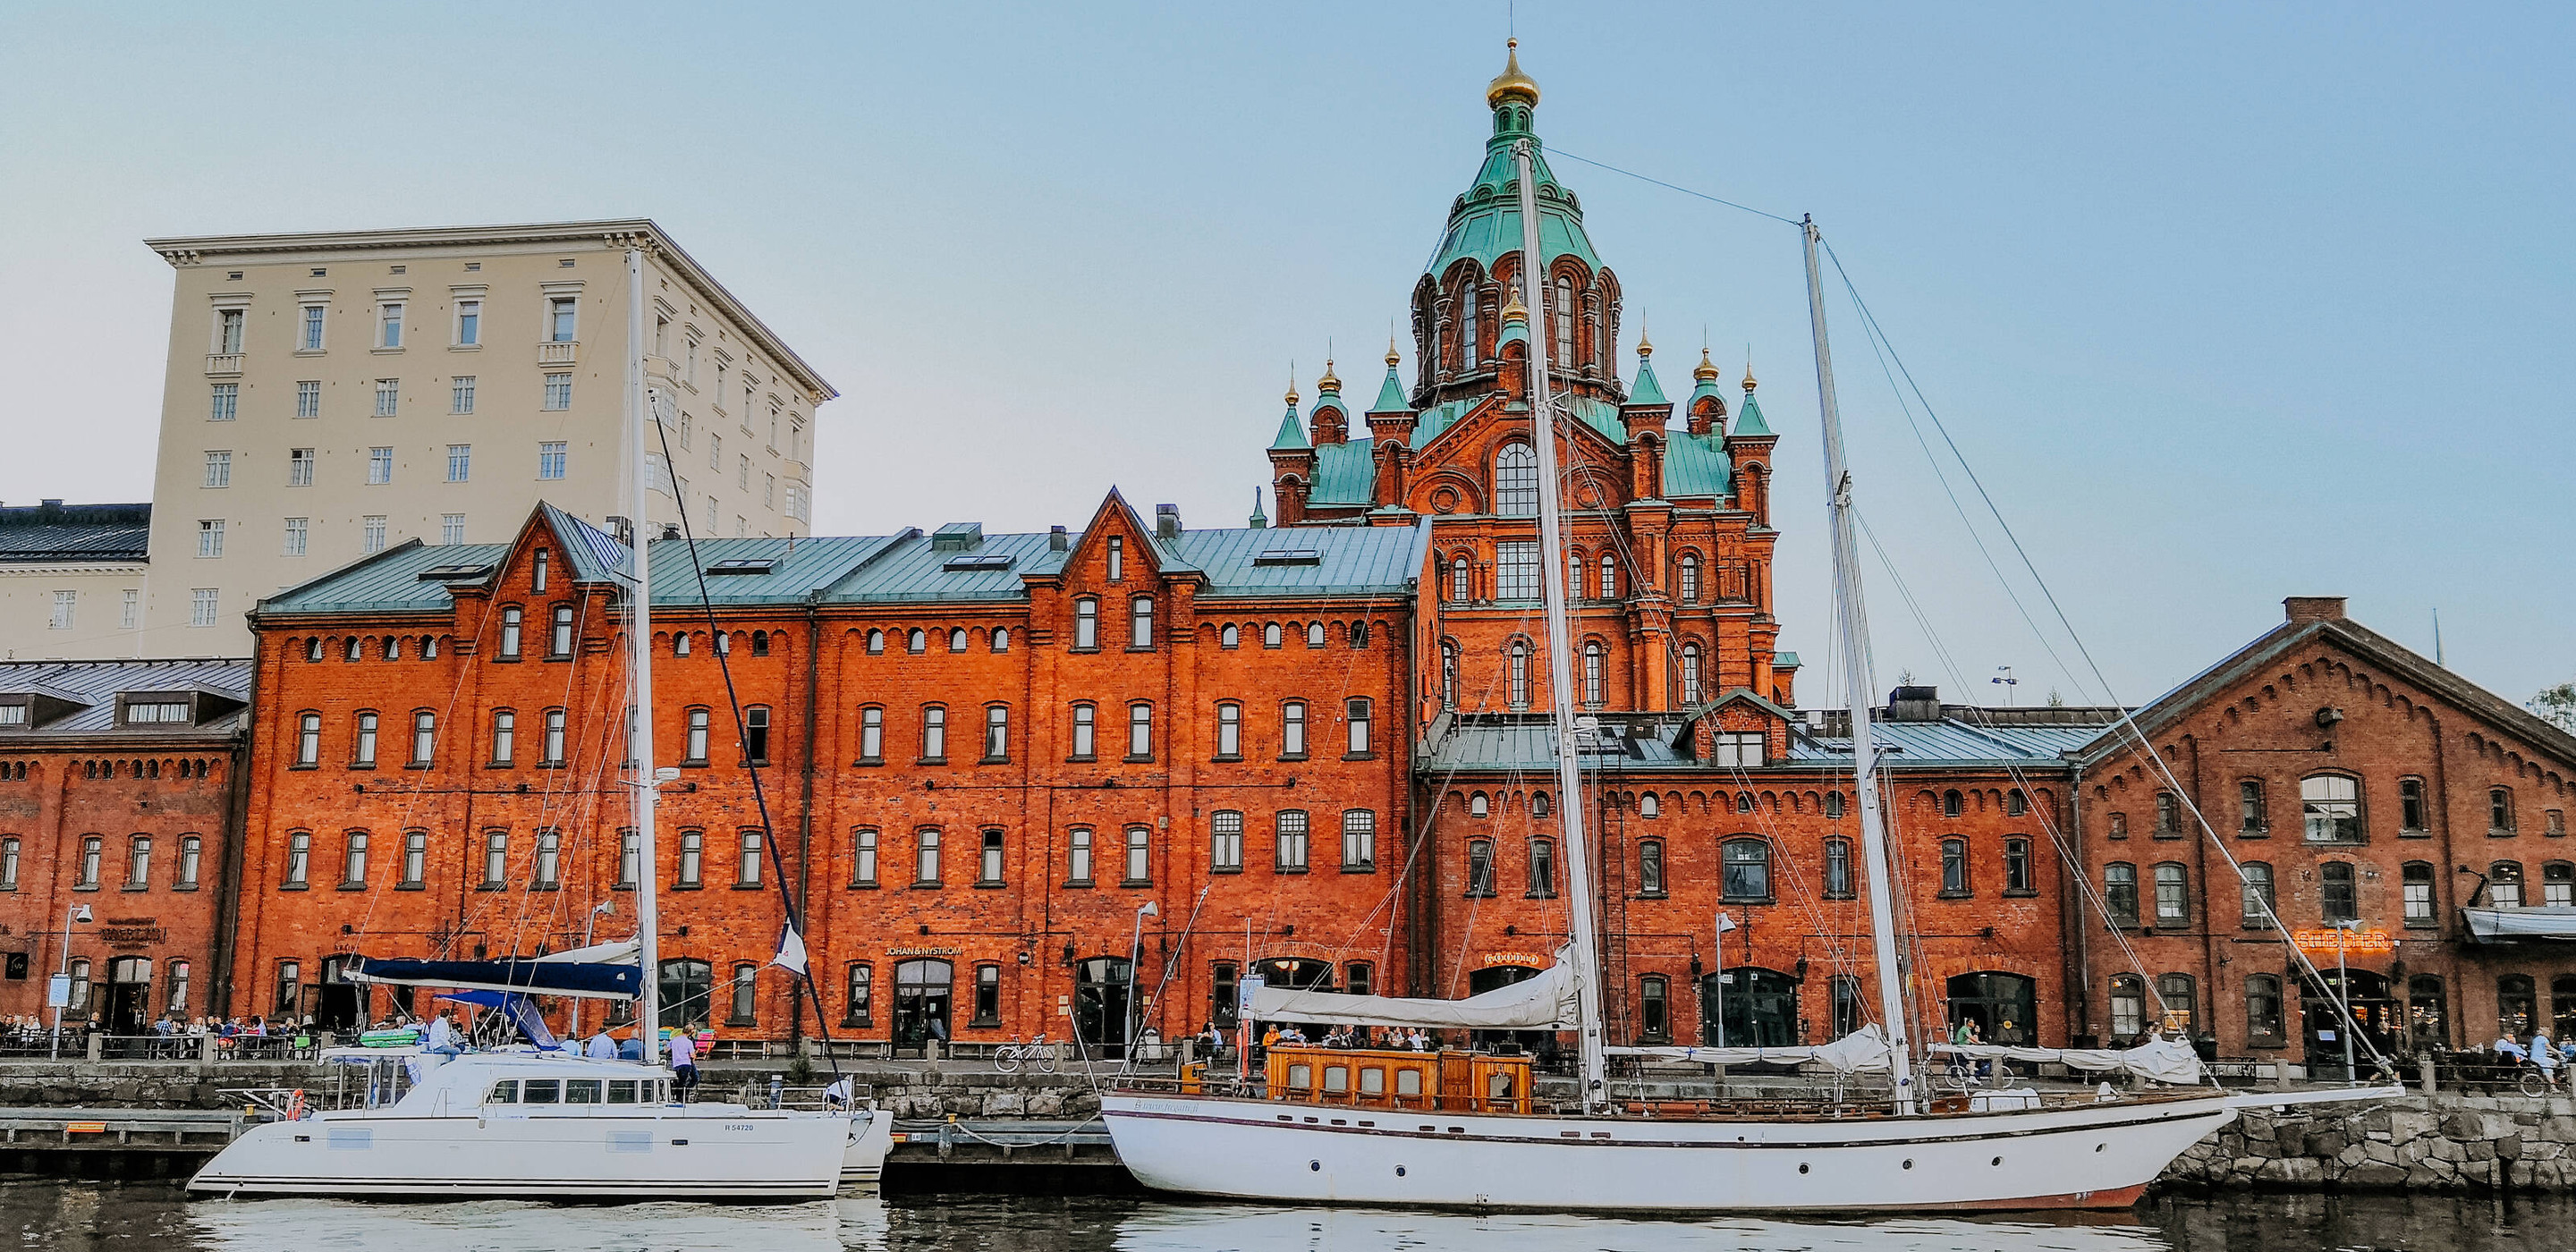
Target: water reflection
point(77, 1216)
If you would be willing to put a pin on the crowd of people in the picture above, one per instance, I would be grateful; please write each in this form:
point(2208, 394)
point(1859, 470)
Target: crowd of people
point(1292, 1035)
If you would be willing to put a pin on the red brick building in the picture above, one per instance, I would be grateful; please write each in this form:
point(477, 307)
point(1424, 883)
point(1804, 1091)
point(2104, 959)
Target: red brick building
point(120, 789)
point(1312, 749)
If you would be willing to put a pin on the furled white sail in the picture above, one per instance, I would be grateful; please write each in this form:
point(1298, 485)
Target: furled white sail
point(1545, 1002)
point(2165, 1060)
point(1863, 1049)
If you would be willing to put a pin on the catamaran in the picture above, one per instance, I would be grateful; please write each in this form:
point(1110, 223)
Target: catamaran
point(541, 1121)
point(1464, 1128)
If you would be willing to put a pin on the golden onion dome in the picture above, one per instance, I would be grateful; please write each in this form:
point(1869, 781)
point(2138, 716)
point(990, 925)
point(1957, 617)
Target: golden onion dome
point(1645, 346)
point(1511, 84)
point(1707, 371)
point(1513, 309)
point(1330, 381)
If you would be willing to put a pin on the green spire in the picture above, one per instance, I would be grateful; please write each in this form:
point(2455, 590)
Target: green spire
point(1390, 394)
point(1292, 433)
point(1646, 390)
point(1748, 421)
point(1485, 223)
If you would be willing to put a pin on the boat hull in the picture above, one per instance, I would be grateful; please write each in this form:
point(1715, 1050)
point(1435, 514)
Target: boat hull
point(743, 1156)
point(871, 1138)
point(2085, 1156)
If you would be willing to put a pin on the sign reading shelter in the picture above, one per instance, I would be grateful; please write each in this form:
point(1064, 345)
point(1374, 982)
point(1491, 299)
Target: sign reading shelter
point(2320, 944)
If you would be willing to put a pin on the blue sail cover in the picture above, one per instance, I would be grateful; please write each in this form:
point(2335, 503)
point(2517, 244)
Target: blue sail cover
point(521, 1012)
point(562, 974)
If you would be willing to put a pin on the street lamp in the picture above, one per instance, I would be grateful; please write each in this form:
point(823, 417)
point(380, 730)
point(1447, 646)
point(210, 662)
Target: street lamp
point(2343, 994)
point(61, 993)
point(1135, 953)
point(2004, 678)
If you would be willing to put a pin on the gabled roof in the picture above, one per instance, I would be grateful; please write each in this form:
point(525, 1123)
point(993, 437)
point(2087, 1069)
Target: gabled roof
point(596, 555)
point(1697, 465)
point(2269, 648)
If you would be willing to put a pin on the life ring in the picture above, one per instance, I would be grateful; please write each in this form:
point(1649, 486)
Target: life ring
point(295, 1106)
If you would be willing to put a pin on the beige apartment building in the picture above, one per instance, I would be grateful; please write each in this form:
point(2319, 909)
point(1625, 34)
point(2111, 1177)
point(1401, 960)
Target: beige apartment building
point(332, 394)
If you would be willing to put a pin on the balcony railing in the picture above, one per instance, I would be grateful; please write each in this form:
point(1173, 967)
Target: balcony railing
point(564, 352)
point(224, 363)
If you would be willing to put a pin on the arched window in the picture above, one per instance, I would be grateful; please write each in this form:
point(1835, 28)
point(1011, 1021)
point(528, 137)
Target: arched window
point(1745, 866)
point(1564, 318)
point(1478, 805)
point(876, 647)
point(1468, 330)
point(1690, 673)
point(1229, 636)
point(1592, 661)
point(1542, 868)
point(1086, 623)
point(1077, 856)
point(957, 640)
point(863, 996)
point(1650, 867)
point(2260, 903)
point(2428, 1010)
point(925, 855)
point(1539, 806)
point(1609, 576)
point(2517, 1004)
point(1650, 806)
point(1461, 573)
point(1292, 729)
point(1314, 634)
point(2335, 897)
point(1001, 639)
point(1574, 564)
point(424, 737)
point(917, 642)
point(2263, 1008)
point(2500, 810)
point(2016, 804)
point(1140, 732)
point(997, 732)
point(695, 751)
point(746, 983)
point(760, 643)
point(2168, 815)
point(2331, 808)
point(1270, 636)
point(1516, 481)
point(863, 857)
point(1480, 867)
point(1520, 675)
point(934, 733)
point(755, 734)
point(1744, 802)
point(1085, 731)
point(1229, 730)
point(2557, 885)
point(1448, 674)
point(2128, 1006)
point(1954, 867)
point(871, 735)
point(1140, 622)
point(1686, 580)
point(1952, 803)
point(559, 642)
point(2173, 895)
point(2416, 882)
point(2180, 996)
point(2504, 884)
point(510, 618)
point(2120, 893)
point(1838, 875)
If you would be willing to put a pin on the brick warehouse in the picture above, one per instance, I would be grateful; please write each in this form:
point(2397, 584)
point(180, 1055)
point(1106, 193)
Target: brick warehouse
point(1329, 724)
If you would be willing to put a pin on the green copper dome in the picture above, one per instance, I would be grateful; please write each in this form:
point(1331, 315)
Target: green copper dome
point(1485, 223)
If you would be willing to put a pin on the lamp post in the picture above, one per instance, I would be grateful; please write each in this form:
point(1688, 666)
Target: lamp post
point(1135, 952)
point(63, 972)
point(1725, 923)
point(2004, 678)
point(2343, 994)
point(588, 925)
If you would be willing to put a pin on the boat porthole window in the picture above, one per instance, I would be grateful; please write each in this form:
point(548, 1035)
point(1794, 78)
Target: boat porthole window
point(1802, 1167)
point(1997, 1161)
point(2097, 1147)
point(1399, 1171)
point(1909, 1164)
point(1315, 1166)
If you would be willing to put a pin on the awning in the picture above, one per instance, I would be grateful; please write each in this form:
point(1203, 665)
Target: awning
point(2515, 925)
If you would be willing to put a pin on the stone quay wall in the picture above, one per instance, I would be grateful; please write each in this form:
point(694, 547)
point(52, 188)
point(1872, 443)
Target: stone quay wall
point(2420, 1143)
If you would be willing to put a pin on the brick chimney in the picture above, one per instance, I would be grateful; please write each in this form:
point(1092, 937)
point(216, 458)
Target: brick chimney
point(2304, 609)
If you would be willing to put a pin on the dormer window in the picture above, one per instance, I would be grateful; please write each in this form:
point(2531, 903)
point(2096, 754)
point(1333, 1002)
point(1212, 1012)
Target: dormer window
point(153, 710)
point(13, 714)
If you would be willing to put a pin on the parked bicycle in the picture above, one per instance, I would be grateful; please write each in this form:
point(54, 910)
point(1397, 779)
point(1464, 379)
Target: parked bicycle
point(1037, 1054)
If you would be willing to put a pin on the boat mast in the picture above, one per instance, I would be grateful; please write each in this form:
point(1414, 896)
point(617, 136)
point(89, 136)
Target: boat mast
point(1560, 664)
point(1854, 623)
point(639, 651)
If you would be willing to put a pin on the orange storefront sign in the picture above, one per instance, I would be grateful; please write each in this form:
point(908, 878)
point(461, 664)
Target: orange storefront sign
point(2320, 944)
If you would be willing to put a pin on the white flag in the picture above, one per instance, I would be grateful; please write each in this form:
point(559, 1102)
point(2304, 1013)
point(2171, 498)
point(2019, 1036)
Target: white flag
point(791, 949)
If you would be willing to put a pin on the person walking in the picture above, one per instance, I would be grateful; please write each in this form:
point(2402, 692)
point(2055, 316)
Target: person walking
point(684, 1063)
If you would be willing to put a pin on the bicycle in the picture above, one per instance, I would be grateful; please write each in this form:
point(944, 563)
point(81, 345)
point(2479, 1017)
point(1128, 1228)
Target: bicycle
point(1037, 1053)
point(2539, 1080)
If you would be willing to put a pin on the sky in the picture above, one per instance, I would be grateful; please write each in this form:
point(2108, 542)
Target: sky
point(2221, 303)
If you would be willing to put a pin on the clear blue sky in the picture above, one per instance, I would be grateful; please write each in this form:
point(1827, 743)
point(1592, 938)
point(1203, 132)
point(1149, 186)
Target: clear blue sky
point(2225, 303)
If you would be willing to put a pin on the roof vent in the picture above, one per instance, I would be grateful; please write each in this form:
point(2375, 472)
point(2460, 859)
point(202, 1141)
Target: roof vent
point(742, 566)
point(1057, 540)
point(454, 573)
point(959, 564)
point(1290, 556)
point(1167, 521)
point(957, 537)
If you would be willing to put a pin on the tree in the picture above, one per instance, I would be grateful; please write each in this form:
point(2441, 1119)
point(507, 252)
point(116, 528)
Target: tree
point(2055, 701)
point(2556, 705)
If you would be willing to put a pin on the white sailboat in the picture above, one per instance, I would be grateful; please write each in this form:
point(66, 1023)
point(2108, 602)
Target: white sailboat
point(1462, 1129)
point(544, 1122)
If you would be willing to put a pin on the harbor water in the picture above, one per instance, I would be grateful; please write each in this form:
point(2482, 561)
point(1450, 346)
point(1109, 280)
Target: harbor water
point(83, 1216)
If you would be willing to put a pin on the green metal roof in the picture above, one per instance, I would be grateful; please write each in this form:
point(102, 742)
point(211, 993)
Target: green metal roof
point(1486, 223)
point(1749, 423)
point(1390, 396)
point(1292, 433)
point(1697, 465)
point(797, 570)
point(1344, 474)
point(1346, 560)
point(1647, 390)
point(388, 582)
point(1784, 660)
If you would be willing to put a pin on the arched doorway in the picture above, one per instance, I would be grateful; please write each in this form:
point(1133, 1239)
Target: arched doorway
point(1100, 987)
point(129, 996)
point(2372, 1005)
point(1748, 1008)
point(681, 992)
point(1993, 1000)
point(921, 994)
point(338, 1005)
